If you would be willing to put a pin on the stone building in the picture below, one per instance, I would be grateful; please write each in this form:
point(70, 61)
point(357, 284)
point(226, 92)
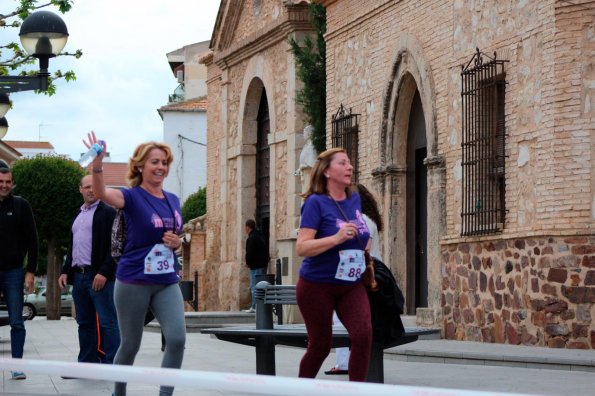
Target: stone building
point(483, 160)
point(254, 137)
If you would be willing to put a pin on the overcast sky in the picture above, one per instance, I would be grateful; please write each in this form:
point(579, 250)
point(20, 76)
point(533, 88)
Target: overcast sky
point(122, 78)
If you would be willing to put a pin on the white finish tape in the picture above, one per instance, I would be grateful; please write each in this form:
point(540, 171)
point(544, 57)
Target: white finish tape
point(225, 382)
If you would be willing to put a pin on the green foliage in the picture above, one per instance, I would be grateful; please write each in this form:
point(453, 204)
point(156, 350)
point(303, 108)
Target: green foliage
point(311, 70)
point(14, 58)
point(50, 184)
point(196, 205)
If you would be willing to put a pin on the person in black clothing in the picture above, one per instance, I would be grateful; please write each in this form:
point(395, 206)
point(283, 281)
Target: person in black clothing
point(18, 238)
point(90, 268)
point(257, 257)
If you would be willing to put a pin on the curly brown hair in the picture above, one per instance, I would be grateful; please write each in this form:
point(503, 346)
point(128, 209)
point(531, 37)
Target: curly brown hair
point(370, 206)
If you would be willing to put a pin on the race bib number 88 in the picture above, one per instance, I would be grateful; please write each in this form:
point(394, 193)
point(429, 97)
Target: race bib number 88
point(351, 265)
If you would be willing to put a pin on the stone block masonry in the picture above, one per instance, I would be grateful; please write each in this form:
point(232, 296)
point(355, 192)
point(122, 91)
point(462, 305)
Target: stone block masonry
point(530, 291)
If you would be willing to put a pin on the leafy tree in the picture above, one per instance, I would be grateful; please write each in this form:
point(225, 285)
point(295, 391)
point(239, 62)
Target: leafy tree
point(310, 59)
point(195, 205)
point(13, 57)
point(50, 184)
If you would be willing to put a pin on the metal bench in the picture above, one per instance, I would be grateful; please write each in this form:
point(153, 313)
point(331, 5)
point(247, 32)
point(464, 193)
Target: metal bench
point(265, 335)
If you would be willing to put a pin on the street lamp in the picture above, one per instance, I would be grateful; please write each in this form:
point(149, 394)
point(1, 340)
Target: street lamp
point(43, 35)
point(3, 127)
point(4, 107)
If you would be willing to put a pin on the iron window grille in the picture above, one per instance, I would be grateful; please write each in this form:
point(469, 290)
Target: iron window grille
point(345, 135)
point(483, 145)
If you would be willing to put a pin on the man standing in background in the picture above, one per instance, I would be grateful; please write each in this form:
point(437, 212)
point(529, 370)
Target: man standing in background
point(90, 268)
point(257, 257)
point(18, 238)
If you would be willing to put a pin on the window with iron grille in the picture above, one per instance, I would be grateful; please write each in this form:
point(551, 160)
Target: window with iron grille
point(345, 135)
point(483, 145)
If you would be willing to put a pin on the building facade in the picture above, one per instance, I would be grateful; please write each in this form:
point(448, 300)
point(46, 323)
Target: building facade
point(254, 137)
point(185, 121)
point(475, 129)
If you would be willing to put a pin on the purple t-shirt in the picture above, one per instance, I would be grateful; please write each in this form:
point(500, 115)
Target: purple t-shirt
point(147, 218)
point(319, 212)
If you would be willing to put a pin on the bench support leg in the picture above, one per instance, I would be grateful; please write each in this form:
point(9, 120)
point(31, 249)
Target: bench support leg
point(265, 355)
point(376, 368)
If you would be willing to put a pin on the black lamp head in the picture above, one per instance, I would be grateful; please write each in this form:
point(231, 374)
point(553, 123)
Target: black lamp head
point(43, 34)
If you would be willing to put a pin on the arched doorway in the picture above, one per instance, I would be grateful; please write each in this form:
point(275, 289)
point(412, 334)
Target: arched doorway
point(411, 179)
point(262, 182)
point(416, 208)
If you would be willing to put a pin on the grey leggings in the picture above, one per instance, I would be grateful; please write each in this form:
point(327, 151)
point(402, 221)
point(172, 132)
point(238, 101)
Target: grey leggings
point(132, 302)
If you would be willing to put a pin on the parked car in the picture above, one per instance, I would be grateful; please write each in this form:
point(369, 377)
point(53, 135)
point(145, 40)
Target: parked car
point(4, 312)
point(36, 304)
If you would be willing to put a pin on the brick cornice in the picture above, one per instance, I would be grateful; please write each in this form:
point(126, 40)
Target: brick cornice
point(298, 19)
point(381, 9)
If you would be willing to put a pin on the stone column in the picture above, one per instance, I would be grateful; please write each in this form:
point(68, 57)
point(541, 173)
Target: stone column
point(391, 180)
point(436, 201)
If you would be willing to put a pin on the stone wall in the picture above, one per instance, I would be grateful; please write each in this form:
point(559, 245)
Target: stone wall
point(380, 51)
point(250, 54)
point(531, 291)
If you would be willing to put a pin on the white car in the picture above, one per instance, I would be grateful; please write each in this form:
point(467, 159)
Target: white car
point(36, 304)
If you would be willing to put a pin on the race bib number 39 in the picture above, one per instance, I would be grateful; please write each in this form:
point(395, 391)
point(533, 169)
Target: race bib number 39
point(160, 260)
point(351, 265)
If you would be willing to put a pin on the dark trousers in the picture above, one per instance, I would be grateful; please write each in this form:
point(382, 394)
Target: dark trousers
point(90, 305)
point(11, 285)
point(317, 302)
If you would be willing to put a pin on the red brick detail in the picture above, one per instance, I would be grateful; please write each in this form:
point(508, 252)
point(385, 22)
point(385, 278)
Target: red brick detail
point(534, 285)
point(583, 249)
point(556, 342)
point(557, 275)
point(588, 261)
point(577, 345)
point(579, 295)
point(512, 335)
point(549, 289)
point(579, 330)
point(556, 307)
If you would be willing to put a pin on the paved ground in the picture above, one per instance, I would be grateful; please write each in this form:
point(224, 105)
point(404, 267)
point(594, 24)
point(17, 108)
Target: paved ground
point(57, 341)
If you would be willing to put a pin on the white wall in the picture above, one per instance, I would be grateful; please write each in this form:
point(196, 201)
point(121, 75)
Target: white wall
point(188, 171)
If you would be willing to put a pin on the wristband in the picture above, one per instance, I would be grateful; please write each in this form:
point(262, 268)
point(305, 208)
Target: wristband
point(100, 170)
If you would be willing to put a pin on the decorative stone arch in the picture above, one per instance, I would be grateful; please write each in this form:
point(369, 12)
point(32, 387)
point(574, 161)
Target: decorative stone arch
point(410, 72)
point(258, 76)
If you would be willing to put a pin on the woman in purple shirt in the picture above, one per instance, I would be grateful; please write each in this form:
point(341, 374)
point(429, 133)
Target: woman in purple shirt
point(146, 276)
point(332, 238)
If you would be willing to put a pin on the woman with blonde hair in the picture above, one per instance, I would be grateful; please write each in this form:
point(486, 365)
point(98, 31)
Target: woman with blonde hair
point(146, 276)
point(332, 239)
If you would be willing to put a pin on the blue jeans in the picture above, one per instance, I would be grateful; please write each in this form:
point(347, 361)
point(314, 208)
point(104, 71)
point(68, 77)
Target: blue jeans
point(88, 303)
point(253, 273)
point(11, 284)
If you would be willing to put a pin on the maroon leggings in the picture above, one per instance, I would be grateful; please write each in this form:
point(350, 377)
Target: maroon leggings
point(317, 302)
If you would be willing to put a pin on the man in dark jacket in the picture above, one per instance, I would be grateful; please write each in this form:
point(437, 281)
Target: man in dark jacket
point(90, 268)
point(18, 238)
point(257, 257)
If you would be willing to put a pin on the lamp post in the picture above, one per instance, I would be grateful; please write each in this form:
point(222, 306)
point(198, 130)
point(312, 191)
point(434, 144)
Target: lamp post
point(43, 35)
